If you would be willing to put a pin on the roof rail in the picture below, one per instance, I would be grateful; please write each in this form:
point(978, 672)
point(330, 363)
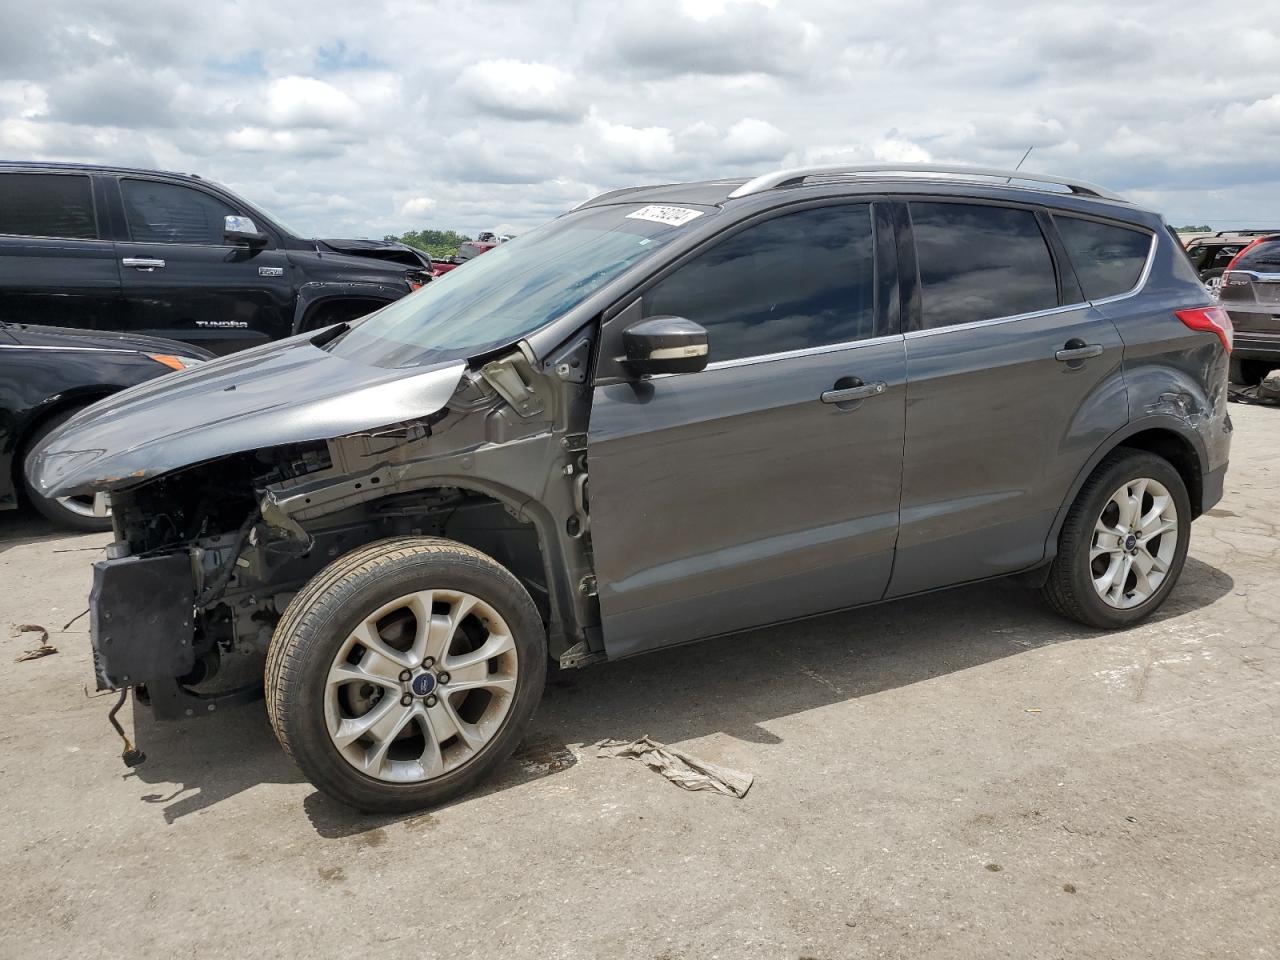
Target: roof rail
point(610, 194)
point(797, 175)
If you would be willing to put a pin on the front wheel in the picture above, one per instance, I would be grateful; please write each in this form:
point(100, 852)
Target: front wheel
point(405, 672)
point(1123, 544)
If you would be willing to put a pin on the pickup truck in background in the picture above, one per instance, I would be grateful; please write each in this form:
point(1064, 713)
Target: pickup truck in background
point(176, 256)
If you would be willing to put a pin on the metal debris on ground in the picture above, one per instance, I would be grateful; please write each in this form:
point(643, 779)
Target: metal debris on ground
point(43, 649)
point(679, 767)
point(1264, 394)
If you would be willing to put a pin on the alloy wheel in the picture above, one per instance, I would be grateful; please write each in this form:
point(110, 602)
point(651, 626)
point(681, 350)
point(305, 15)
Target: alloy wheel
point(1134, 542)
point(421, 686)
point(97, 506)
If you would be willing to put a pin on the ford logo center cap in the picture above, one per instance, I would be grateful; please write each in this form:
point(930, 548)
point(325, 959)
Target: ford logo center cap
point(423, 684)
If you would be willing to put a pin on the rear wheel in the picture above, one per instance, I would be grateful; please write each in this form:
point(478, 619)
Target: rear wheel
point(1123, 544)
point(91, 513)
point(405, 672)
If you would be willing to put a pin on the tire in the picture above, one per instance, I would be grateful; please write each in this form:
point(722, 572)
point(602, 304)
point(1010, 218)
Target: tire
point(309, 711)
point(1070, 588)
point(75, 513)
point(1249, 373)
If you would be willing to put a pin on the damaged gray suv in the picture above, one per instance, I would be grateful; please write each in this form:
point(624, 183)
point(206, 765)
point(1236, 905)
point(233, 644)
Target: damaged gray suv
point(675, 412)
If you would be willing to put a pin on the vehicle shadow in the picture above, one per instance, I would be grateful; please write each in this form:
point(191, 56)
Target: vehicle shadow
point(23, 526)
point(732, 685)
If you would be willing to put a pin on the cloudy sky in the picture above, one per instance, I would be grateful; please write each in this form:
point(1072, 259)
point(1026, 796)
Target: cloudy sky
point(361, 118)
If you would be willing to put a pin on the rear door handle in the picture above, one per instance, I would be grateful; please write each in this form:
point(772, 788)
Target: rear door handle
point(142, 263)
point(862, 392)
point(1083, 352)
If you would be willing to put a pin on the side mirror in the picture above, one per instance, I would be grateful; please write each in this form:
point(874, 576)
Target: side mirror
point(666, 345)
point(242, 230)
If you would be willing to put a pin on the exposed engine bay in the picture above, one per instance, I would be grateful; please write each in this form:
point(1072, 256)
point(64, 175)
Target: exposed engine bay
point(208, 556)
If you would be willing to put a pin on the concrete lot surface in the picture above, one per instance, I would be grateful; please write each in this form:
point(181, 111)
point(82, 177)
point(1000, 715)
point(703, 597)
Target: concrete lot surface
point(962, 775)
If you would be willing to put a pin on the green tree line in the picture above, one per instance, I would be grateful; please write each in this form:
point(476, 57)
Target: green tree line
point(437, 243)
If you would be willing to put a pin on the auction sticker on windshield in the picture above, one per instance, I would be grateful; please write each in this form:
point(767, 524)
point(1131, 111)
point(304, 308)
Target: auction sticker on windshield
point(672, 216)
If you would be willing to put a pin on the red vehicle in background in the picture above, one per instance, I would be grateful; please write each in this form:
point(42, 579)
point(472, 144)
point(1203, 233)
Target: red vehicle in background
point(483, 243)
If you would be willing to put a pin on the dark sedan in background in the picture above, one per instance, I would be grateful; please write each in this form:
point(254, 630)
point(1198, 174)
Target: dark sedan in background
point(174, 255)
point(49, 374)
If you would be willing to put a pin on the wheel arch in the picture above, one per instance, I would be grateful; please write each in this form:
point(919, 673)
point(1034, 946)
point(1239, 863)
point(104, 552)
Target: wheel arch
point(313, 297)
point(479, 523)
point(1165, 436)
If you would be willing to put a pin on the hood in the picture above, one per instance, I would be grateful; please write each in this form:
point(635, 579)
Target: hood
point(290, 391)
point(32, 335)
point(388, 250)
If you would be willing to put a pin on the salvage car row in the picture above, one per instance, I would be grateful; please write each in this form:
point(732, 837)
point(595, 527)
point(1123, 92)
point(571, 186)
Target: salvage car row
point(94, 260)
point(672, 413)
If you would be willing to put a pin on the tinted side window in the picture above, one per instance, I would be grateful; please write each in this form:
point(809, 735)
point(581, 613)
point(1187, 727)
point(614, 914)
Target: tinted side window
point(1265, 257)
point(168, 213)
point(1108, 259)
point(800, 280)
point(980, 262)
point(1221, 257)
point(47, 205)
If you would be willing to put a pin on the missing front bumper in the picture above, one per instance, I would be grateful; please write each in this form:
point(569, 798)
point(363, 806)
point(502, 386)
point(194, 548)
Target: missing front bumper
point(141, 619)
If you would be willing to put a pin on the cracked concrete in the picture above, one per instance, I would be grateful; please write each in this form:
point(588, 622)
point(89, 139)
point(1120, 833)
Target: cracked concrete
point(959, 775)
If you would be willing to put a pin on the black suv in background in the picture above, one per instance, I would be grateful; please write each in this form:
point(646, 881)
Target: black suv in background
point(1251, 293)
point(173, 255)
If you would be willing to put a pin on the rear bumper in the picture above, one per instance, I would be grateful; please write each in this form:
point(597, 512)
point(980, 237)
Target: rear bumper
point(1256, 346)
point(1211, 484)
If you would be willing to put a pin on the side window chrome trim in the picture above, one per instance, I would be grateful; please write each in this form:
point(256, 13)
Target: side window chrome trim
point(1142, 277)
point(804, 352)
point(33, 236)
point(934, 331)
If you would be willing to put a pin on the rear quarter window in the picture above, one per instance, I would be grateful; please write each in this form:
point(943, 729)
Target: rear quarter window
point(47, 205)
point(1108, 259)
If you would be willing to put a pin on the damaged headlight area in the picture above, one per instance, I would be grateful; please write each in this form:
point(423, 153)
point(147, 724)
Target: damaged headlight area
point(202, 567)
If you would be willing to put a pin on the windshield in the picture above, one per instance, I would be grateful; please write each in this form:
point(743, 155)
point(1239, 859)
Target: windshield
point(510, 291)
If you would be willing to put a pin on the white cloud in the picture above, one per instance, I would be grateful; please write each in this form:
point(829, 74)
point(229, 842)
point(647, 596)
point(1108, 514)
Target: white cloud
point(751, 140)
point(521, 91)
point(626, 149)
point(340, 119)
point(292, 102)
point(417, 206)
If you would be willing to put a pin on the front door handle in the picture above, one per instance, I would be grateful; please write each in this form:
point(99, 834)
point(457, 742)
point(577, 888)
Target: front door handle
point(142, 263)
point(1077, 350)
point(862, 391)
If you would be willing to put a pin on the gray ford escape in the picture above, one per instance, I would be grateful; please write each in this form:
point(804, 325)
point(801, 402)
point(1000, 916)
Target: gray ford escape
point(674, 412)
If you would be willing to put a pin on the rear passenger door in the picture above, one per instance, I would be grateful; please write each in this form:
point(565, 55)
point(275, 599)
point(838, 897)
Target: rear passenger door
point(1013, 380)
point(182, 280)
point(55, 268)
point(756, 490)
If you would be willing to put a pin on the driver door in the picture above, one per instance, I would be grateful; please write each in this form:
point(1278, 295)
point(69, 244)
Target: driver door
point(182, 280)
point(750, 492)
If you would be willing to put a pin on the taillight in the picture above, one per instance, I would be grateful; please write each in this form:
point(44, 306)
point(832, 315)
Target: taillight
point(1211, 320)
